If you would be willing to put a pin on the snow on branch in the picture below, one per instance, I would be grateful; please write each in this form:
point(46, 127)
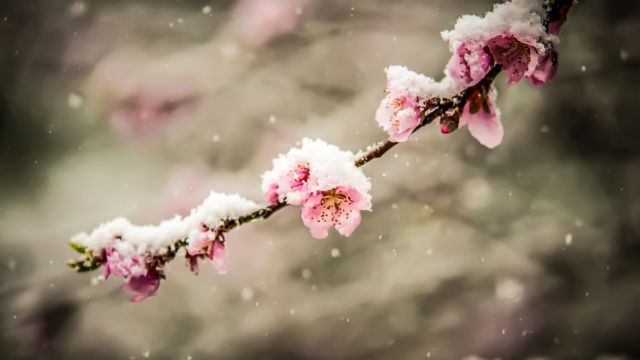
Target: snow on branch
point(518, 38)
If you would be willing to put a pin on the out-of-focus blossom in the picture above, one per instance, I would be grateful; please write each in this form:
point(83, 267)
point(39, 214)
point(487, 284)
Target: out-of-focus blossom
point(257, 22)
point(143, 286)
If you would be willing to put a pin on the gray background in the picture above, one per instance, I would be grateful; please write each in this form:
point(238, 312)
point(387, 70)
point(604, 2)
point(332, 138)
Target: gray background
point(529, 250)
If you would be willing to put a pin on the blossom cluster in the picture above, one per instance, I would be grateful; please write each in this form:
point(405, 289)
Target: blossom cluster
point(323, 180)
point(137, 253)
point(513, 36)
point(327, 182)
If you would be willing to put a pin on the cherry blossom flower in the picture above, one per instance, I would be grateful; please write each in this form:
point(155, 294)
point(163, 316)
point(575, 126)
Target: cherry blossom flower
point(400, 112)
point(469, 64)
point(546, 69)
point(339, 207)
point(123, 265)
point(293, 184)
point(325, 181)
point(143, 286)
point(482, 117)
point(207, 242)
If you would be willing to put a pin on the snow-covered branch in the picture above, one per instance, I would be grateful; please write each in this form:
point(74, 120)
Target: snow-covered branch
point(517, 38)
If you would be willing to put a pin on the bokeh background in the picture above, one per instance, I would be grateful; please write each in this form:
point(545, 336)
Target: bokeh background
point(141, 107)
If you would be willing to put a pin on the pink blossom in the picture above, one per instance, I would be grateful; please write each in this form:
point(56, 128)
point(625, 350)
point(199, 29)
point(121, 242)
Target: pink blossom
point(559, 18)
point(259, 21)
point(517, 58)
point(546, 69)
point(271, 195)
point(206, 242)
point(293, 184)
point(199, 241)
point(339, 207)
point(398, 116)
point(469, 64)
point(143, 286)
point(122, 265)
point(217, 256)
point(483, 118)
point(400, 112)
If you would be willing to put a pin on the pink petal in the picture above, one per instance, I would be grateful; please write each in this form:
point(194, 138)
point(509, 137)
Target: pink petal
point(485, 127)
point(143, 286)
point(469, 64)
point(346, 226)
point(218, 256)
point(311, 211)
point(546, 69)
point(514, 56)
point(272, 194)
point(398, 116)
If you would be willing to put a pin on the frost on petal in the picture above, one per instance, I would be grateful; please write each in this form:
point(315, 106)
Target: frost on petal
point(198, 241)
point(469, 64)
point(339, 207)
point(484, 124)
point(545, 70)
point(218, 257)
point(143, 286)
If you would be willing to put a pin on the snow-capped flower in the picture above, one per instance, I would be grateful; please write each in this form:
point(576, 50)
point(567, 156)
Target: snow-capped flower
point(123, 261)
point(518, 59)
point(339, 207)
point(206, 242)
point(469, 64)
point(143, 286)
point(482, 117)
point(293, 183)
point(319, 173)
point(512, 35)
point(400, 112)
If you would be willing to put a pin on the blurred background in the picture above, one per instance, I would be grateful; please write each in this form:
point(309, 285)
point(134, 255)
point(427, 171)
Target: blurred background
point(139, 108)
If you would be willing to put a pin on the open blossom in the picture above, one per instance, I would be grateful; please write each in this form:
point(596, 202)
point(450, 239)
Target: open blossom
point(482, 117)
point(512, 35)
point(339, 207)
point(400, 112)
point(325, 181)
point(136, 252)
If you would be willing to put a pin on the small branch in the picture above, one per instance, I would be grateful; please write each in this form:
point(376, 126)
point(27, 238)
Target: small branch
point(435, 108)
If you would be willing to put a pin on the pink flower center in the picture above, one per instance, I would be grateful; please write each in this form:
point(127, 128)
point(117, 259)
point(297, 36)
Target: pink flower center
point(334, 204)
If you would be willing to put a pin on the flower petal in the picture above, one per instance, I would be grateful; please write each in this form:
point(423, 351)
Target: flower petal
point(312, 217)
point(218, 257)
point(485, 126)
point(143, 286)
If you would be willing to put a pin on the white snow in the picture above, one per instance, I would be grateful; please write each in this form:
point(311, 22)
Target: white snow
point(329, 167)
point(129, 239)
point(520, 18)
point(404, 81)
